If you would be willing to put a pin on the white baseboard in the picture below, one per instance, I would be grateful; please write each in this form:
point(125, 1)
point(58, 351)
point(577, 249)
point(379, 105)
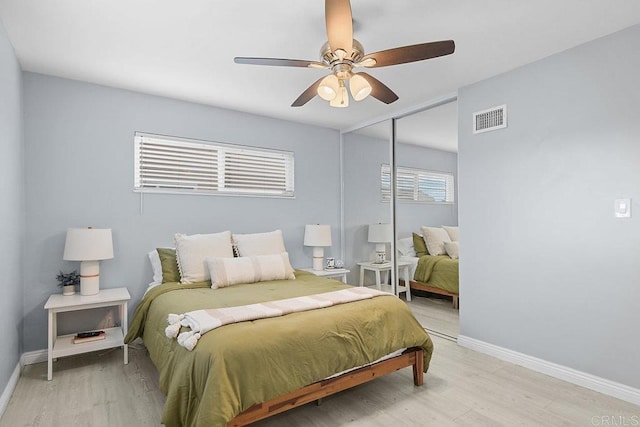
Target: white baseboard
point(592, 382)
point(8, 390)
point(31, 357)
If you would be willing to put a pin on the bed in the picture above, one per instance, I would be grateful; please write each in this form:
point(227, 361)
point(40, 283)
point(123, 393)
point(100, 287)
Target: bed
point(435, 274)
point(432, 268)
point(243, 372)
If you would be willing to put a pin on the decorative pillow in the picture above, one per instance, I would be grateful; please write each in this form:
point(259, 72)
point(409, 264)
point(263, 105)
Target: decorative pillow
point(405, 247)
point(419, 245)
point(452, 249)
point(192, 251)
point(232, 271)
point(259, 243)
point(170, 270)
point(452, 231)
point(435, 237)
point(156, 266)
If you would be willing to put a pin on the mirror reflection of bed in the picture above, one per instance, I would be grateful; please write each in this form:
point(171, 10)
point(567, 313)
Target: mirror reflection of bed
point(426, 159)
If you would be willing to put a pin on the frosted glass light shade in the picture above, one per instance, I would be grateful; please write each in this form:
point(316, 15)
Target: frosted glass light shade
point(88, 244)
point(328, 88)
point(380, 233)
point(342, 99)
point(359, 87)
point(317, 235)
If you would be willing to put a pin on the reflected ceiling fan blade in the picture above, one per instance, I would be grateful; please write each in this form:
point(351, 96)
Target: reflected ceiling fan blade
point(279, 62)
point(405, 54)
point(308, 94)
point(339, 25)
point(379, 90)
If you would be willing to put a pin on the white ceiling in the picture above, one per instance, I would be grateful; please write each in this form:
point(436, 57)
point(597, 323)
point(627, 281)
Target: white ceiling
point(185, 50)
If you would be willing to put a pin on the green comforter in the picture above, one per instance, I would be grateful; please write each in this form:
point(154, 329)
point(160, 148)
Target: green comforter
point(239, 365)
point(439, 272)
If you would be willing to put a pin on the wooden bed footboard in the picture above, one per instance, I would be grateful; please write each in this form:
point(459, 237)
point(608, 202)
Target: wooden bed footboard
point(424, 287)
point(410, 357)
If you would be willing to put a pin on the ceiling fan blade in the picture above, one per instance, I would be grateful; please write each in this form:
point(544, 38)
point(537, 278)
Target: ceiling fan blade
point(279, 62)
point(379, 90)
point(308, 94)
point(416, 52)
point(339, 25)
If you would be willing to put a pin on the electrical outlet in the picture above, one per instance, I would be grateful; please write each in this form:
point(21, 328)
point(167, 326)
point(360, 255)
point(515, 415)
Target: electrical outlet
point(622, 208)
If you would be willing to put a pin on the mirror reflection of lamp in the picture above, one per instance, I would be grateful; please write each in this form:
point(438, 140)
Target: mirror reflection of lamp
point(380, 234)
point(89, 246)
point(318, 236)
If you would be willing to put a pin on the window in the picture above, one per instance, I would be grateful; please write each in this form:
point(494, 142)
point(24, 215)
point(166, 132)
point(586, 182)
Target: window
point(418, 185)
point(166, 164)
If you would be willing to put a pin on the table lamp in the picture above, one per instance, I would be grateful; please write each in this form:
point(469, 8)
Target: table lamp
point(380, 234)
point(318, 236)
point(88, 245)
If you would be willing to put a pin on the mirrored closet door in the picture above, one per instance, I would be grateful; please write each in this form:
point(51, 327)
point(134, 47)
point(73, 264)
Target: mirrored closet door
point(426, 214)
point(367, 227)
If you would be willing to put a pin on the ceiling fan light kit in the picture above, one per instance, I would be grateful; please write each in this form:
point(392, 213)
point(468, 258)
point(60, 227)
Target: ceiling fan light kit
point(341, 53)
point(342, 99)
point(359, 87)
point(328, 88)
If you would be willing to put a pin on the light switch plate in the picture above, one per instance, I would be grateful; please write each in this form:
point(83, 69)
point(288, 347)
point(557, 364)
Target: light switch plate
point(622, 208)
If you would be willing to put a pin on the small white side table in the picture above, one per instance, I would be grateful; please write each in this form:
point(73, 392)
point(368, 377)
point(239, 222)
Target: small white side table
point(403, 270)
point(340, 273)
point(62, 345)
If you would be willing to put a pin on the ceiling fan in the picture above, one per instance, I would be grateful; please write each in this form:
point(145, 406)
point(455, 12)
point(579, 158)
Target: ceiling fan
point(342, 53)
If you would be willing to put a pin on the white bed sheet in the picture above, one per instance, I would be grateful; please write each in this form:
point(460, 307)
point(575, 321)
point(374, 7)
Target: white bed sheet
point(414, 263)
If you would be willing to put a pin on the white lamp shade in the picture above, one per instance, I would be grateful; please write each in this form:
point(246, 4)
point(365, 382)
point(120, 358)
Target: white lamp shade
point(88, 244)
point(359, 87)
point(317, 235)
point(328, 88)
point(342, 98)
point(380, 233)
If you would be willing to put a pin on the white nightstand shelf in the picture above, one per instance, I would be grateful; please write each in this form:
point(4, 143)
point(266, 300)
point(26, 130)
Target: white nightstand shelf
point(403, 269)
point(340, 273)
point(62, 345)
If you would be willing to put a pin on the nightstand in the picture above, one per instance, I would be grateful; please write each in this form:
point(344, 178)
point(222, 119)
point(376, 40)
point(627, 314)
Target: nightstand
point(62, 345)
point(340, 273)
point(403, 270)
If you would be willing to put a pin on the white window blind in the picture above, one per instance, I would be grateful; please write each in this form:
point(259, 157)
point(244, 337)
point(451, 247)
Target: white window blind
point(167, 165)
point(418, 185)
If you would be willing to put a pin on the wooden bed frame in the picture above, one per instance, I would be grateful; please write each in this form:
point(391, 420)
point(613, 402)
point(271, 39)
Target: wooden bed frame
point(424, 287)
point(410, 357)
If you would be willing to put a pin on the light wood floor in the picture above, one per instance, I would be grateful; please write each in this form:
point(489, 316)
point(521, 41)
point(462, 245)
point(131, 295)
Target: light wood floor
point(462, 387)
point(436, 315)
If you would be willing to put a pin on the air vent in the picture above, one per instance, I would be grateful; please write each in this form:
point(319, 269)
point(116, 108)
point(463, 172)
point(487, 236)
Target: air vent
point(491, 119)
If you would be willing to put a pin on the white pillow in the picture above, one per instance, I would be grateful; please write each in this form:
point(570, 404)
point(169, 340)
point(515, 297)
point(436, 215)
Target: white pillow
point(452, 231)
point(191, 252)
point(232, 271)
point(435, 237)
point(259, 243)
point(156, 266)
point(452, 249)
point(405, 247)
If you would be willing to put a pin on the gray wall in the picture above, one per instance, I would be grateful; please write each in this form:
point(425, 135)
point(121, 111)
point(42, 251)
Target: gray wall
point(11, 207)
point(363, 203)
point(79, 154)
point(546, 269)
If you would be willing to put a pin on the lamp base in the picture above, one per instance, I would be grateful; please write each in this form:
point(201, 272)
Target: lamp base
point(89, 277)
point(318, 258)
point(381, 258)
